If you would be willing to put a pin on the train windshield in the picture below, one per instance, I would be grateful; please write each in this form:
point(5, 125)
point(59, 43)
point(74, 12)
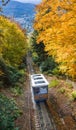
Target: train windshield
point(39, 82)
point(36, 91)
point(40, 90)
point(43, 90)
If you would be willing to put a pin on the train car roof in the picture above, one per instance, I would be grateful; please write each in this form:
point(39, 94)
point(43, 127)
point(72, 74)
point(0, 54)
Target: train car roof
point(38, 80)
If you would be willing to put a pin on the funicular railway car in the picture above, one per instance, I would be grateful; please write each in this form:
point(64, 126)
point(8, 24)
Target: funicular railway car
point(39, 87)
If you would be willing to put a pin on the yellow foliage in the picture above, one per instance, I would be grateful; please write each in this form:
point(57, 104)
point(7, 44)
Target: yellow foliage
point(13, 41)
point(1, 73)
point(55, 23)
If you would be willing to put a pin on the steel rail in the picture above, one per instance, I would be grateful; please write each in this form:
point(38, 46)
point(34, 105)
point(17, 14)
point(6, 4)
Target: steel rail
point(41, 114)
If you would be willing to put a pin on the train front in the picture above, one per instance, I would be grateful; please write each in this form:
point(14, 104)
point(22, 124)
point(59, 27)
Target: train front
point(39, 87)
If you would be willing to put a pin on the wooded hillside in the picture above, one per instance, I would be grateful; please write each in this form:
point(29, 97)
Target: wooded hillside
point(55, 23)
point(13, 47)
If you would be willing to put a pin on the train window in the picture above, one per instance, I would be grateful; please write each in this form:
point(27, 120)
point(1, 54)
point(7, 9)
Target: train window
point(36, 91)
point(38, 78)
point(39, 82)
point(36, 75)
point(43, 90)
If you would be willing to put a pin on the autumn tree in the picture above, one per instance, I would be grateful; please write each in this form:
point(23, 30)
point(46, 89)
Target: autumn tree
point(40, 57)
point(13, 47)
point(13, 42)
point(55, 23)
point(38, 49)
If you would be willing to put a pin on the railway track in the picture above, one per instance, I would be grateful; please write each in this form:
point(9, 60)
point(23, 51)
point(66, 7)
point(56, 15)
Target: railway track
point(41, 115)
point(45, 122)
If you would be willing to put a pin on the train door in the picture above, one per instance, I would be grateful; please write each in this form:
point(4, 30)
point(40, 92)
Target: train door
point(43, 93)
point(36, 92)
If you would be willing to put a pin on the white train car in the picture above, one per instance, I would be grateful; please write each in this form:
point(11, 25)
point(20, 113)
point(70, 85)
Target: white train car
point(39, 87)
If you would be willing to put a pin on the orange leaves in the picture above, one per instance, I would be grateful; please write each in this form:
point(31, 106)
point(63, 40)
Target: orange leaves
point(57, 30)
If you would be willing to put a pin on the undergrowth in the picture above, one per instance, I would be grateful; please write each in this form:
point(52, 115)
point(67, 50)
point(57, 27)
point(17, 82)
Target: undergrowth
point(8, 113)
point(17, 90)
point(61, 90)
point(74, 95)
point(54, 83)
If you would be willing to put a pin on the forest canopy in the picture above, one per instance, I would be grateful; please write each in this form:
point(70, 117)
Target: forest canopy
point(13, 47)
point(13, 44)
point(55, 23)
